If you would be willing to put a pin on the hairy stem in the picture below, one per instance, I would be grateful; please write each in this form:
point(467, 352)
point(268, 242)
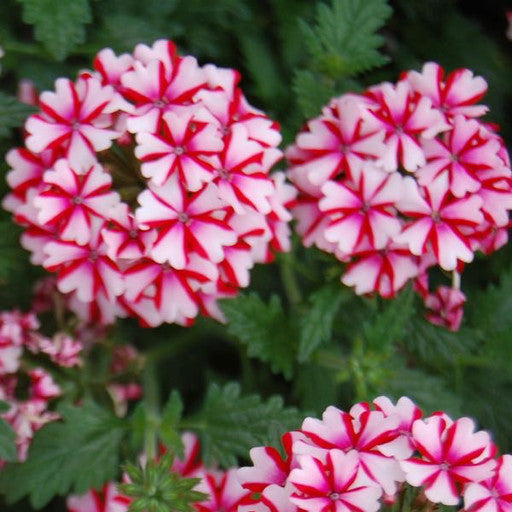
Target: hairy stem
point(152, 401)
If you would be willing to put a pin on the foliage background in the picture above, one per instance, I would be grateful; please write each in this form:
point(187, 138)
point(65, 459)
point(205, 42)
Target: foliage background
point(297, 332)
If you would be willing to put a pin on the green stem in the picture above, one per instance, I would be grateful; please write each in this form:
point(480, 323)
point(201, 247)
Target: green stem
point(357, 370)
point(401, 501)
point(151, 397)
point(170, 348)
point(327, 359)
point(289, 280)
point(23, 48)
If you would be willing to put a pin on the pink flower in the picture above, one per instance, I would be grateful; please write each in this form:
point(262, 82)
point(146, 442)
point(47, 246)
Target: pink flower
point(333, 486)
point(404, 118)
point(403, 446)
point(224, 492)
point(385, 271)
point(86, 269)
point(339, 141)
point(171, 291)
point(62, 349)
point(242, 179)
point(456, 199)
point(190, 465)
point(156, 89)
point(465, 151)
point(42, 384)
point(439, 223)
point(189, 148)
point(185, 223)
point(27, 172)
point(73, 200)
point(74, 117)
point(185, 148)
point(450, 454)
point(107, 499)
point(455, 95)
point(362, 212)
point(494, 494)
point(445, 307)
point(123, 236)
point(364, 433)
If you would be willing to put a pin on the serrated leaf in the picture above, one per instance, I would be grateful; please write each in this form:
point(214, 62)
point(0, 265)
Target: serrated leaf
point(12, 114)
point(316, 324)
point(436, 346)
point(344, 41)
point(490, 310)
point(389, 325)
point(171, 416)
point(262, 65)
point(58, 24)
point(430, 392)
point(66, 457)
point(316, 388)
point(122, 32)
point(312, 92)
point(264, 329)
point(8, 451)
point(229, 424)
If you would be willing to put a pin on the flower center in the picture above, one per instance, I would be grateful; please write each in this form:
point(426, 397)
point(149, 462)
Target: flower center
point(345, 148)
point(335, 496)
point(224, 174)
point(93, 255)
point(183, 217)
point(179, 150)
point(161, 103)
point(78, 200)
point(133, 233)
point(436, 217)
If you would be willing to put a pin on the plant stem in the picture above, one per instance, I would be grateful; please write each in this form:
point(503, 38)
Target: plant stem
point(151, 397)
point(289, 280)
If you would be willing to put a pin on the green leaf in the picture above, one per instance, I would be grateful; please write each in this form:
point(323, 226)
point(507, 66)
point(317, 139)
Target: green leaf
point(264, 329)
point(389, 326)
point(344, 41)
point(171, 416)
point(262, 64)
point(312, 92)
point(490, 310)
point(59, 24)
point(154, 488)
point(436, 346)
point(123, 32)
point(316, 387)
point(430, 392)
point(316, 324)
point(66, 457)
point(230, 424)
point(12, 114)
point(8, 450)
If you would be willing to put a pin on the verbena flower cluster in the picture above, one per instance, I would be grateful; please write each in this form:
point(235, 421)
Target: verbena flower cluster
point(401, 178)
point(352, 461)
point(145, 186)
point(28, 410)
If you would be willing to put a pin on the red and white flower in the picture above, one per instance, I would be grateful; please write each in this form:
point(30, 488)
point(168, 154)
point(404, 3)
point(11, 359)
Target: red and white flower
point(74, 118)
point(333, 486)
point(451, 453)
point(72, 200)
point(494, 494)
